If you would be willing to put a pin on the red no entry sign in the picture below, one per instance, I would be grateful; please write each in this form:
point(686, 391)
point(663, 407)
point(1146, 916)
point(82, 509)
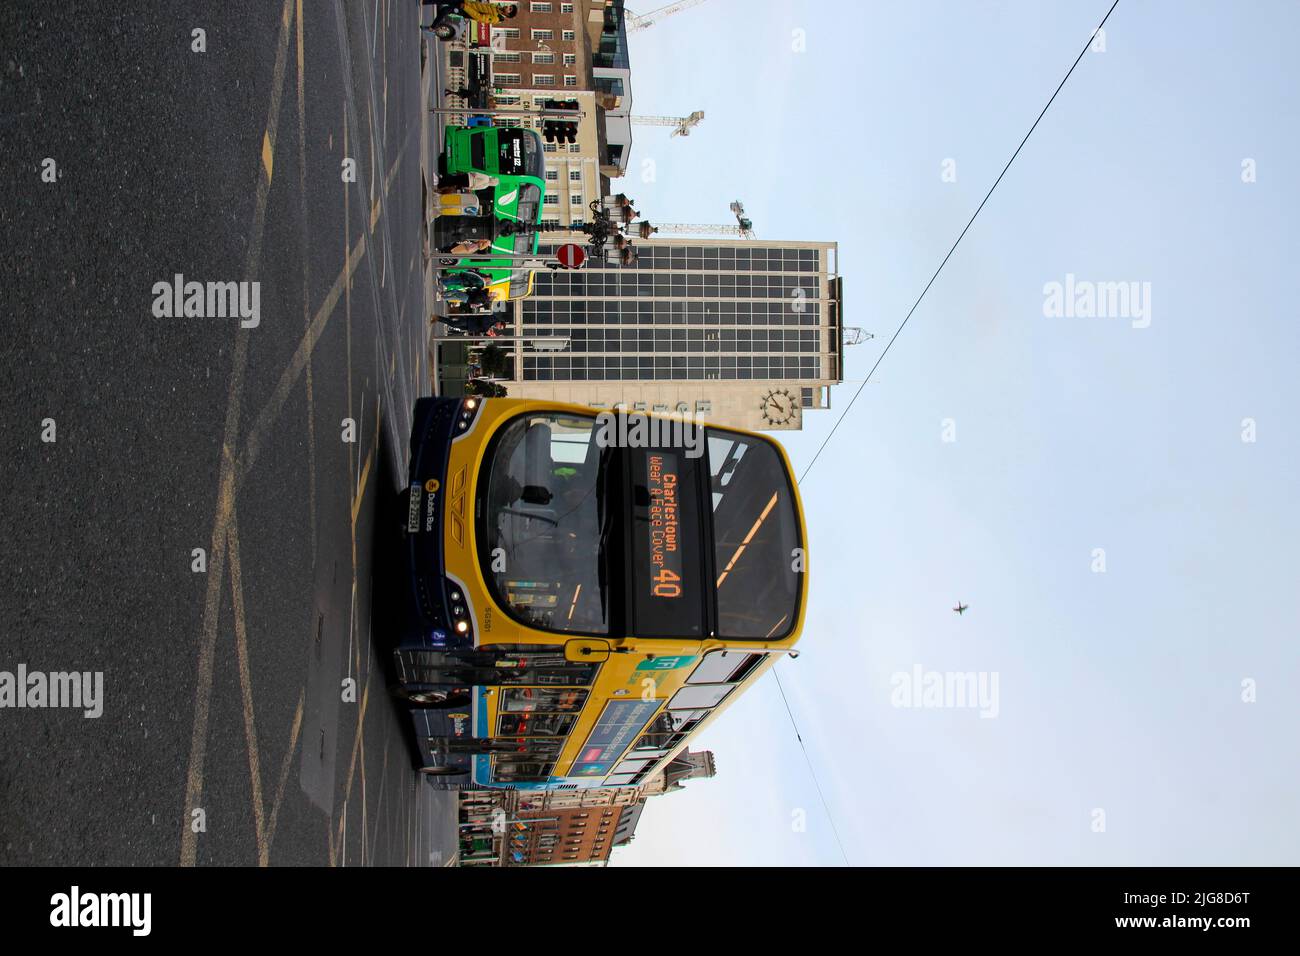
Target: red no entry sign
point(571, 256)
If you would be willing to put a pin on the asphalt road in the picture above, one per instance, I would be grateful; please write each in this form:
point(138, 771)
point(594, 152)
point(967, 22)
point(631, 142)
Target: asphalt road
point(227, 734)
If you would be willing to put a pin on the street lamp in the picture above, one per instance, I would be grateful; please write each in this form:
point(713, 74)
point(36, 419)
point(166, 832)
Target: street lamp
point(600, 231)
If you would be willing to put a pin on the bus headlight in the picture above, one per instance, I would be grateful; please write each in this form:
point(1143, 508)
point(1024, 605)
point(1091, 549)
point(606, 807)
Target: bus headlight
point(468, 412)
point(458, 611)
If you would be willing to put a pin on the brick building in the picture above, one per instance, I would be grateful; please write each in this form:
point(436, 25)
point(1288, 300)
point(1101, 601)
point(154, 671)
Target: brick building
point(572, 836)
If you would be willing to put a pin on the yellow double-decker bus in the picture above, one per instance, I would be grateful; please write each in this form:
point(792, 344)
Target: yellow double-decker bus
point(586, 590)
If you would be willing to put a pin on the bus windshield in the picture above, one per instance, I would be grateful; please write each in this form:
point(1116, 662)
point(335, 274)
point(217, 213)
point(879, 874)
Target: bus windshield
point(541, 519)
point(755, 538)
point(519, 153)
point(585, 539)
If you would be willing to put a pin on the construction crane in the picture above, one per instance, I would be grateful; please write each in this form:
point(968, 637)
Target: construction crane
point(683, 124)
point(699, 229)
point(634, 22)
point(743, 229)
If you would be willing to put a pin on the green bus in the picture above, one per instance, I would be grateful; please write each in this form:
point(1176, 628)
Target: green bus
point(515, 158)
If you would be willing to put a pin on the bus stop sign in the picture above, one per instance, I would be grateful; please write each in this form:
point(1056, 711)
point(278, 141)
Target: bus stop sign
point(571, 256)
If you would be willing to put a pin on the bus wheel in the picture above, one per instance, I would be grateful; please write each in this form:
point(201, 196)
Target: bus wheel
point(444, 31)
point(443, 771)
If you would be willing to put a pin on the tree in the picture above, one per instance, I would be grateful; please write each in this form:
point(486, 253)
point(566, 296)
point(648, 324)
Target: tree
point(496, 362)
point(476, 386)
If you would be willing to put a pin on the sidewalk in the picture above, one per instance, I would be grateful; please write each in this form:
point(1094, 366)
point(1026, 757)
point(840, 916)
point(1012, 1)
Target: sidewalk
point(435, 78)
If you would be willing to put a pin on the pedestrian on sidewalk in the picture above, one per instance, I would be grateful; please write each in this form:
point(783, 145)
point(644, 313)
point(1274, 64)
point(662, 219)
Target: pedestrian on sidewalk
point(455, 182)
point(469, 247)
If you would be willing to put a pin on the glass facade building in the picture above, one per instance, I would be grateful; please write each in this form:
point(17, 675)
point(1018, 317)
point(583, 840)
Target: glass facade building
point(693, 320)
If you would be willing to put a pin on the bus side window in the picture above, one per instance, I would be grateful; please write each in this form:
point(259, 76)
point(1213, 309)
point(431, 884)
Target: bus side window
point(724, 667)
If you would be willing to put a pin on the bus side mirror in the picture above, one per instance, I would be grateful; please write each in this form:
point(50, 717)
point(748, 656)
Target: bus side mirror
point(586, 651)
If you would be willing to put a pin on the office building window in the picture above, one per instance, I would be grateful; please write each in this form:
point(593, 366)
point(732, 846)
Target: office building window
point(506, 58)
point(566, 8)
point(539, 8)
point(568, 35)
point(551, 200)
point(510, 33)
point(543, 57)
point(549, 147)
point(570, 81)
point(552, 175)
point(508, 79)
point(575, 148)
point(575, 175)
point(575, 199)
point(543, 79)
point(570, 59)
point(543, 34)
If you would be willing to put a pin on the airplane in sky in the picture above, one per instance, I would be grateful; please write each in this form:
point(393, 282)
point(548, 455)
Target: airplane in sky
point(961, 608)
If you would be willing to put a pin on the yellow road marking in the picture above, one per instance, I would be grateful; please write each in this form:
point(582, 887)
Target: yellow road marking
point(342, 286)
point(289, 377)
point(361, 489)
point(364, 823)
point(207, 644)
point(361, 486)
point(347, 286)
point(267, 150)
point(356, 740)
point(306, 284)
point(226, 487)
point(377, 206)
point(352, 767)
point(284, 768)
point(246, 692)
point(388, 180)
point(232, 473)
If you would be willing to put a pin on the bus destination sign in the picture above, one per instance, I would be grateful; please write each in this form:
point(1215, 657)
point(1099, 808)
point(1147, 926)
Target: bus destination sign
point(665, 538)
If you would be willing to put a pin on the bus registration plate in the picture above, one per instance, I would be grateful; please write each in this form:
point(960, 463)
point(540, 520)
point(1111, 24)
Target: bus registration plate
point(413, 509)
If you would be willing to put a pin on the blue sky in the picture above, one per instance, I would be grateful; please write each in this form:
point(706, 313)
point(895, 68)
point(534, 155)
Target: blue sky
point(1118, 691)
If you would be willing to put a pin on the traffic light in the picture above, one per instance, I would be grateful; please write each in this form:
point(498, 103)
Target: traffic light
point(560, 130)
